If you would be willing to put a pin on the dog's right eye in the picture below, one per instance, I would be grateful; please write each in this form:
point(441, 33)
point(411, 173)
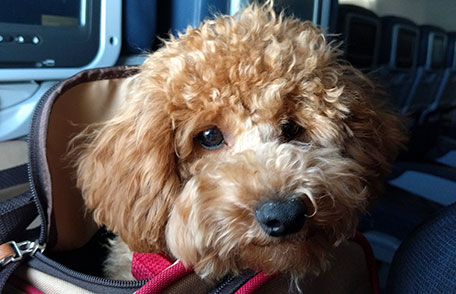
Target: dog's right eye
point(211, 138)
point(290, 130)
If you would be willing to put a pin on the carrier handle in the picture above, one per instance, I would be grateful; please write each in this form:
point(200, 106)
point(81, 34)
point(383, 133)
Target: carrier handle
point(12, 251)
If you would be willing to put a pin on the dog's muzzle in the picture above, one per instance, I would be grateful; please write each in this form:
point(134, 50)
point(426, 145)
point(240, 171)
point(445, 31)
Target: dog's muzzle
point(281, 217)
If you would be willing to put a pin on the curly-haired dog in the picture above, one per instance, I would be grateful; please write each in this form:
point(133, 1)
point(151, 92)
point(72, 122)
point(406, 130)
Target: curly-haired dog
point(244, 143)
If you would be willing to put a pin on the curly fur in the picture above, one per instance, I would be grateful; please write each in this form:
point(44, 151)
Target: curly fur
point(146, 178)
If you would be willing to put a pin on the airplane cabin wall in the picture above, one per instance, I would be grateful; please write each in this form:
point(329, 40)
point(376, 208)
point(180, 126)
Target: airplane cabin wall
point(437, 12)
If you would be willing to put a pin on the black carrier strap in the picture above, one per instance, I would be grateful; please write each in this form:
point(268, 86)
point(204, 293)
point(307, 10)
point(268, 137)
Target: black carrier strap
point(16, 214)
point(13, 176)
point(6, 272)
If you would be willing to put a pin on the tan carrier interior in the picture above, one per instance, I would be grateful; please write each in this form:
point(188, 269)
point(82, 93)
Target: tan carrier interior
point(86, 103)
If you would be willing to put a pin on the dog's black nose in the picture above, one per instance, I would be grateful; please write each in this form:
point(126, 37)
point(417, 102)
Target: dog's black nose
point(281, 217)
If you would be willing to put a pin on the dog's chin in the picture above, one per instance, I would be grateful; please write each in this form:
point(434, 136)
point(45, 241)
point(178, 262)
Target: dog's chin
point(297, 255)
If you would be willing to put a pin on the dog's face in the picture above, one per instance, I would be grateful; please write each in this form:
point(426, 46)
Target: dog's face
point(245, 143)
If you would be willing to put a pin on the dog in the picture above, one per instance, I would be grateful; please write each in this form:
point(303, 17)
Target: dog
point(245, 143)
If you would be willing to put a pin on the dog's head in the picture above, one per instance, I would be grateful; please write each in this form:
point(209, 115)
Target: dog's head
point(245, 143)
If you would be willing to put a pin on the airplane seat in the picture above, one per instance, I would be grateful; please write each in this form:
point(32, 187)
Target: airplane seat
point(447, 99)
point(423, 95)
point(185, 13)
point(412, 172)
point(426, 260)
point(398, 59)
point(431, 64)
point(442, 113)
point(139, 22)
point(360, 33)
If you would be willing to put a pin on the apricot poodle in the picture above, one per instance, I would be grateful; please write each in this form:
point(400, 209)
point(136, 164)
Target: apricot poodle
point(246, 143)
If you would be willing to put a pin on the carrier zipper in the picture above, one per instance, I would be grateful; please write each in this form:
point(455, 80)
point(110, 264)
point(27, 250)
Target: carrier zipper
point(222, 286)
point(32, 157)
point(42, 259)
point(233, 283)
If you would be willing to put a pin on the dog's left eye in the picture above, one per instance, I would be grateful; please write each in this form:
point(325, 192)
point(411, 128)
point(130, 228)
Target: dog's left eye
point(211, 138)
point(290, 130)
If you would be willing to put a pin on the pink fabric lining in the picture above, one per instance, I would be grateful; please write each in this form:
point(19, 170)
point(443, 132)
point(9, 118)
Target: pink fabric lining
point(23, 286)
point(148, 265)
point(161, 281)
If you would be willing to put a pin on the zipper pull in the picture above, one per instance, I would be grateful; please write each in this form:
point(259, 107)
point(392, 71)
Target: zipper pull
point(13, 251)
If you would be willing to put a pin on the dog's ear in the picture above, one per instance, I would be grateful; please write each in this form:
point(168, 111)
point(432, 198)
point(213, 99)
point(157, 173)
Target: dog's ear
point(375, 133)
point(126, 170)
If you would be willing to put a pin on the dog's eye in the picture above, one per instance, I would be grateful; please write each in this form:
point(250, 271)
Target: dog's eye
point(290, 130)
point(211, 138)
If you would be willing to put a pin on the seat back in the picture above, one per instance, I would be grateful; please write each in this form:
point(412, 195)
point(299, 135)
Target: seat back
point(431, 65)
point(360, 31)
point(447, 96)
point(398, 58)
point(191, 12)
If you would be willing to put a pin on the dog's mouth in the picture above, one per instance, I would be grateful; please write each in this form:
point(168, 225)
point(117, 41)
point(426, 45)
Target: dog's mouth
point(305, 235)
point(293, 240)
